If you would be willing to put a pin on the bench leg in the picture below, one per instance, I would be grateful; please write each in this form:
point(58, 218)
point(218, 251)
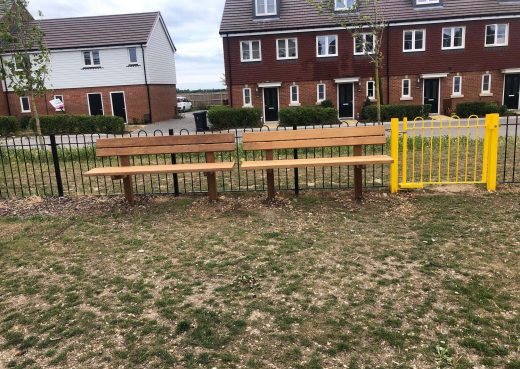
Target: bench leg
point(358, 175)
point(212, 186)
point(127, 186)
point(271, 193)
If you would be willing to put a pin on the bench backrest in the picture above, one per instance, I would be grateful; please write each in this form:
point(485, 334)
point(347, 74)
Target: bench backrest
point(210, 143)
point(310, 138)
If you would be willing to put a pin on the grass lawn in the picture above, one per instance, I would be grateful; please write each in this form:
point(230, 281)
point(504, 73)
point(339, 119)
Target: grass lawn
point(421, 280)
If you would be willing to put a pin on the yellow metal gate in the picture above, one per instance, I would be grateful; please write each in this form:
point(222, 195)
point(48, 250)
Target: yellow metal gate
point(440, 152)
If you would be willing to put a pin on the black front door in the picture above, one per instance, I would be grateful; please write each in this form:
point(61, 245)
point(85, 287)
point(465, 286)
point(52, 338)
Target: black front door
point(346, 100)
point(512, 91)
point(95, 104)
point(431, 94)
point(271, 104)
point(118, 104)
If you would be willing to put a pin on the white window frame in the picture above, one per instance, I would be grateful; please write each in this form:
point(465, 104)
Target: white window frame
point(343, 8)
point(266, 13)
point(372, 98)
point(456, 93)
point(488, 91)
point(92, 64)
point(136, 56)
point(318, 92)
point(28, 104)
point(364, 37)
point(286, 41)
point(409, 95)
point(452, 47)
point(250, 104)
point(414, 31)
point(427, 2)
point(327, 55)
point(297, 101)
point(250, 43)
point(495, 44)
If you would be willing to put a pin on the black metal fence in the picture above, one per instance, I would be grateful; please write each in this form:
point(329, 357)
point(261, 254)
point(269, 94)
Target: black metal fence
point(55, 166)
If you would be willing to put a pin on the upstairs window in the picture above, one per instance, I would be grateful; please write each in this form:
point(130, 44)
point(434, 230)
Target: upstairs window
point(327, 45)
point(250, 51)
point(414, 40)
point(497, 34)
point(91, 58)
point(265, 7)
point(287, 48)
point(344, 4)
point(364, 44)
point(453, 38)
point(132, 55)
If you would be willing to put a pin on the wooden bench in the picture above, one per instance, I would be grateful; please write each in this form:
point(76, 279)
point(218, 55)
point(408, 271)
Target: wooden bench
point(316, 138)
point(124, 148)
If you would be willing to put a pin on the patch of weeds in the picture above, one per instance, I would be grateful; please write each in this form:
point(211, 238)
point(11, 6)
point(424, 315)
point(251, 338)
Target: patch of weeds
point(515, 364)
point(393, 338)
point(214, 330)
point(182, 327)
point(443, 356)
point(59, 359)
point(484, 348)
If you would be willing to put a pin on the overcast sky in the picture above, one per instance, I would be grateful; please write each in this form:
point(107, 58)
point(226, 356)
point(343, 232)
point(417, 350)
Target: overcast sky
point(193, 25)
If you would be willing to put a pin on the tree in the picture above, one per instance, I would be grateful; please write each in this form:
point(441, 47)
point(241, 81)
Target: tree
point(364, 19)
point(27, 63)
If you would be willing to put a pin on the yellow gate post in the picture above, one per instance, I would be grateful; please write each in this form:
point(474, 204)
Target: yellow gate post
point(492, 128)
point(394, 152)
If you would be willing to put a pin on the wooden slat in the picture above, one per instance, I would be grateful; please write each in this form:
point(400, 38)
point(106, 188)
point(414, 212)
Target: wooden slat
point(166, 140)
point(317, 162)
point(161, 169)
point(324, 142)
point(310, 134)
point(174, 149)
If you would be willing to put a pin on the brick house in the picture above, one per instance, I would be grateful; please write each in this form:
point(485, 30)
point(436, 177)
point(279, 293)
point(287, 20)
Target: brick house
point(281, 53)
point(121, 65)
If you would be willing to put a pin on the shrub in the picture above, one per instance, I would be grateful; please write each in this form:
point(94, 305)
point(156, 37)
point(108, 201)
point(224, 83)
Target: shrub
point(9, 126)
point(25, 122)
point(79, 124)
point(327, 104)
point(480, 108)
point(308, 116)
point(369, 113)
point(222, 117)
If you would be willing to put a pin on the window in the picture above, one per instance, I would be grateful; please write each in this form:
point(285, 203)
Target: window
point(132, 55)
point(59, 97)
point(406, 91)
point(322, 92)
point(371, 90)
point(457, 86)
point(91, 58)
point(265, 7)
point(486, 84)
point(247, 97)
point(453, 38)
point(295, 95)
point(327, 46)
point(364, 44)
point(287, 48)
point(344, 4)
point(25, 104)
point(427, 2)
point(497, 34)
point(414, 40)
point(250, 51)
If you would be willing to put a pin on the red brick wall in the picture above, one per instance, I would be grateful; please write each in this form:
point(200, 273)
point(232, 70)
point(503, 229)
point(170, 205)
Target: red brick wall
point(3, 104)
point(163, 101)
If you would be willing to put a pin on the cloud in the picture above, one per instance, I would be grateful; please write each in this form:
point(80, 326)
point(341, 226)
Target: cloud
point(193, 26)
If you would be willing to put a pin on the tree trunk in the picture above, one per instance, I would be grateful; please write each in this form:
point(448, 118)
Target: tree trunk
point(378, 93)
point(36, 116)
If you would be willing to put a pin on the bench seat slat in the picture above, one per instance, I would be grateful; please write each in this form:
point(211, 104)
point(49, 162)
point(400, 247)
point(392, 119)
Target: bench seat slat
point(161, 169)
point(323, 142)
point(157, 150)
point(317, 162)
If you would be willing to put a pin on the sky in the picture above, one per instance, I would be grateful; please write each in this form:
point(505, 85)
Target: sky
point(193, 25)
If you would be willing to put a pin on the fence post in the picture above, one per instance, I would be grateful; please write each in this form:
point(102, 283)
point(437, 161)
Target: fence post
point(394, 151)
point(405, 150)
point(492, 128)
point(296, 171)
point(56, 161)
point(175, 175)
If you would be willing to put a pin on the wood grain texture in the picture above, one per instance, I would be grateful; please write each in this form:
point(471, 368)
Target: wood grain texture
point(173, 149)
point(310, 134)
point(317, 162)
point(161, 169)
point(165, 140)
point(311, 143)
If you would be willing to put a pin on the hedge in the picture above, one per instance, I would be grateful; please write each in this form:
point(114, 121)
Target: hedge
point(79, 124)
point(479, 108)
point(369, 113)
point(308, 116)
point(222, 117)
point(9, 126)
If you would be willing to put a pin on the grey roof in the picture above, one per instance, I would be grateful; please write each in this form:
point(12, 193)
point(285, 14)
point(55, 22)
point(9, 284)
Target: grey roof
point(108, 30)
point(297, 14)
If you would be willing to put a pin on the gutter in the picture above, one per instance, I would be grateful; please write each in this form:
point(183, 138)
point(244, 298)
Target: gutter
point(147, 85)
point(4, 85)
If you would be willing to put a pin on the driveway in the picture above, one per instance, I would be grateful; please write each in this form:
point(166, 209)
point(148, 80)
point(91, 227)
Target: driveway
point(184, 124)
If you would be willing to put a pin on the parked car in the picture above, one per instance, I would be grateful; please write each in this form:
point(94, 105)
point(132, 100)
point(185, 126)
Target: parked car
point(183, 104)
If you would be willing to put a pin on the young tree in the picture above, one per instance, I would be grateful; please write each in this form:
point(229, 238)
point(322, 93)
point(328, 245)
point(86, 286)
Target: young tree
point(364, 19)
point(26, 66)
